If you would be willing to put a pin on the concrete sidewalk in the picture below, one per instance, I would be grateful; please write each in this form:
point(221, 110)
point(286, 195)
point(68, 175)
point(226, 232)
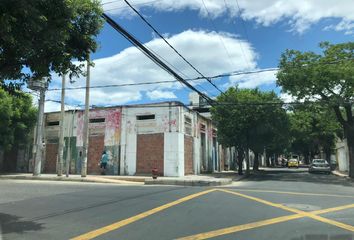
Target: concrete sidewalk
point(214, 179)
point(76, 178)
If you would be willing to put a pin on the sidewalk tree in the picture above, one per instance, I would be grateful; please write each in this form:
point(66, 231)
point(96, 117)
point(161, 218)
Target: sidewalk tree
point(327, 77)
point(313, 127)
point(249, 119)
point(17, 119)
point(38, 37)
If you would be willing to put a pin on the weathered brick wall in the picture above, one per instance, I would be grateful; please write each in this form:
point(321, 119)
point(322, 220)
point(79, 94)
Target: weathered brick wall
point(96, 147)
point(51, 158)
point(188, 155)
point(150, 153)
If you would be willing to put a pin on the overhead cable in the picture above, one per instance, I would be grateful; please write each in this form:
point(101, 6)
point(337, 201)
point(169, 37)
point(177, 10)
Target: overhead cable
point(152, 56)
point(169, 44)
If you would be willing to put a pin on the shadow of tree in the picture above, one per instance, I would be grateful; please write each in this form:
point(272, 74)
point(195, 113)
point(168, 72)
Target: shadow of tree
point(299, 176)
point(14, 224)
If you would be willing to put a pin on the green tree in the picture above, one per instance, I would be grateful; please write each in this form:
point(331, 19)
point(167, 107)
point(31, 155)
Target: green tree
point(313, 128)
point(6, 112)
point(17, 119)
point(328, 77)
point(248, 119)
point(38, 37)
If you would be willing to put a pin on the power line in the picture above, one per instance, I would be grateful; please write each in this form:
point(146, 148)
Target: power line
point(239, 42)
point(168, 81)
point(123, 7)
point(180, 104)
point(213, 25)
point(243, 22)
point(152, 56)
point(167, 42)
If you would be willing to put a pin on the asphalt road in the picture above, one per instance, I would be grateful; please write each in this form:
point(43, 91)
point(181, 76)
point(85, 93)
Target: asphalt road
point(274, 204)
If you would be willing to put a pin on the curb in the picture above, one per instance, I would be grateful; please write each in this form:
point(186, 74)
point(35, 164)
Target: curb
point(340, 174)
point(199, 183)
point(65, 179)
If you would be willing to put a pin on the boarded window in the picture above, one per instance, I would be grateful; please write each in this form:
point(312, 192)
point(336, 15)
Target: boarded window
point(97, 120)
point(188, 125)
point(53, 123)
point(145, 117)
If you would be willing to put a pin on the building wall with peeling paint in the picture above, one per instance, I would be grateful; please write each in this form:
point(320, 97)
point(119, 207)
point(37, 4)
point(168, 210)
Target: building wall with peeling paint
point(168, 136)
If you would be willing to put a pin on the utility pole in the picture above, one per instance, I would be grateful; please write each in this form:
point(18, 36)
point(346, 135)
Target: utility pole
point(60, 159)
point(68, 155)
point(41, 86)
point(86, 121)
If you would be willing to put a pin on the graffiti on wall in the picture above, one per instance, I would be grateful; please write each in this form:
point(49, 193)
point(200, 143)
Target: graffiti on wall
point(110, 127)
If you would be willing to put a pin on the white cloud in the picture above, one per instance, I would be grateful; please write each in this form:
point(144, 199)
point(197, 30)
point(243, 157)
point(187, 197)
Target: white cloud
point(345, 25)
point(287, 98)
point(203, 49)
point(156, 94)
point(300, 14)
point(253, 80)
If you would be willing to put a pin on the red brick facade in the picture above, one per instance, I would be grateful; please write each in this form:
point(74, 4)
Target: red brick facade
point(96, 147)
point(50, 164)
point(188, 155)
point(150, 153)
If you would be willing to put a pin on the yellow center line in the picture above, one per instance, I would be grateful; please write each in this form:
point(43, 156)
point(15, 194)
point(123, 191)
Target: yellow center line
point(294, 193)
point(122, 223)
point(299, 214)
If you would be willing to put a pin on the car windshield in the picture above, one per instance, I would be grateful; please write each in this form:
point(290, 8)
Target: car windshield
point(319, 161)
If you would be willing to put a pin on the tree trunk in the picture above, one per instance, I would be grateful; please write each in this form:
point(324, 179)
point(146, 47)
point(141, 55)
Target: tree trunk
point(247, 161)
point(239, 161)
point(256, 162)
point(349, 132)
point(267, 160)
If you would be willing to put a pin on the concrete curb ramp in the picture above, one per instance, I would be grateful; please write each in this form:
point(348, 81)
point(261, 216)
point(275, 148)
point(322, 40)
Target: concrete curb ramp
point(189, 182)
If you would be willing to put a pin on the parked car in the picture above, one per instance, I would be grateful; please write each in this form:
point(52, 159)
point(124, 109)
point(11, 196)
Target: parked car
point(320, 165)
point(293, 163)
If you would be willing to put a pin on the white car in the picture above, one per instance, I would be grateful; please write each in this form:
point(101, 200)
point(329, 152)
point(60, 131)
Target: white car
point(320, 165)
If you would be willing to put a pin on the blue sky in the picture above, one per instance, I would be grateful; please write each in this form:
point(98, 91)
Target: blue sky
point(224, 40)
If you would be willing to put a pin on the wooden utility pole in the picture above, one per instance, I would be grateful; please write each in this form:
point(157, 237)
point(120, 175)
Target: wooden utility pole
point(60, 158)
point(86, 121)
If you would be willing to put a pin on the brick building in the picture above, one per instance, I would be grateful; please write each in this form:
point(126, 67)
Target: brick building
point(169, 136)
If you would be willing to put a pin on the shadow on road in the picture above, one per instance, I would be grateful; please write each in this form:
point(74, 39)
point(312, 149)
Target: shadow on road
point(14, 224)
point(298, 176)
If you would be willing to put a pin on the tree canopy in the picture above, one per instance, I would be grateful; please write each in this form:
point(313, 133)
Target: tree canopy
point(38, 37)
point(17, 119)
point(250, 119)
point(313, 128)
point(327, 77)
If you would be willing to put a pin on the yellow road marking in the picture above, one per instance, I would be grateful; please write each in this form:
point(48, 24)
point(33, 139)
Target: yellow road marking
point(333, 209)
point(242, 227)
point(262, 201)
point(262, 223)
point(269, 221)
point(307, 214)
point(294, 193)
point(300, 214)
point(119, 224)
